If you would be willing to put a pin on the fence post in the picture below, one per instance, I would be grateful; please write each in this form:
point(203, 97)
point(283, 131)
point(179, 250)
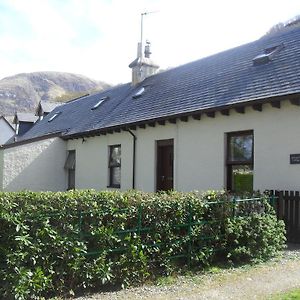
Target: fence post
point(297, 228)
point(139, 225)
point(233, 208)
point(80, 224)
point(281, 204)
point(272, 200)
point(189, 235)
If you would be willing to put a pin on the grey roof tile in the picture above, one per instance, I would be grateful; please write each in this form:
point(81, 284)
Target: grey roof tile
point(25, 117)
point(216, 81)
point(47, 106)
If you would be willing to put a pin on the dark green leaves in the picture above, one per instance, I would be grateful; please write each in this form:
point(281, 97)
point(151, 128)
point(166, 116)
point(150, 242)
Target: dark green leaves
point(60, 243)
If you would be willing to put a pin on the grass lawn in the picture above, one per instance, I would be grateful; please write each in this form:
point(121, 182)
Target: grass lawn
point(290, 295)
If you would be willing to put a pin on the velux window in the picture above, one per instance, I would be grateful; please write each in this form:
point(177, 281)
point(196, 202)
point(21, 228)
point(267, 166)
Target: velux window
point(114, 166)
point(100, 102)
point(267, 54)
point(240, 161)
point(70, 167)
point(139, 93)
point(54, 116)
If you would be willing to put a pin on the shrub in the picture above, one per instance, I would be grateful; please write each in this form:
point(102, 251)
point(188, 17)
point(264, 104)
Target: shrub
point(252, 238)
point(59, 243)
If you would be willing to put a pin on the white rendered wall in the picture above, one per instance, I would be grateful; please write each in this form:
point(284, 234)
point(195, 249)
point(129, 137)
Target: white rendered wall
point(1, 169)
point(199, 154)
point(92, 160)
point(201, 148)
point(277, 136)
point(199, 151)
point(37, 166)
point(6, 132)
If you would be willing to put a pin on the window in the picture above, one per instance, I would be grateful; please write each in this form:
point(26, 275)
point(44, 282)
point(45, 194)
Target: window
point(54, 116)
point(100, 102)
point(240, 161)
point(114, 166)
point(139, 93)
point(70, 167)
point(267, 54)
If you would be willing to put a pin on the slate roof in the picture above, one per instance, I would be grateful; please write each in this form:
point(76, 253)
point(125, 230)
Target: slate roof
point(24, 117)
point(221, 80)
point(7, 121)
point(46, 106)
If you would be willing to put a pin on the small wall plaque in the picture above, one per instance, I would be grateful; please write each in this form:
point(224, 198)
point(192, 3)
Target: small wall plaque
point(294, 159)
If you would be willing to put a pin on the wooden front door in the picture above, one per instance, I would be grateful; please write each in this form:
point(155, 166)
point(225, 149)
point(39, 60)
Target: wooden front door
point(165, 165)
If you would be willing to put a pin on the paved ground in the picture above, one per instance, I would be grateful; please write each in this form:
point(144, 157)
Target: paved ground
point(257, 282)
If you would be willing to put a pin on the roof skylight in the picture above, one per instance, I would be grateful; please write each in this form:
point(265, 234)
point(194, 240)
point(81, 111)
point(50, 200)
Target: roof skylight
point(139, 93)
point(267, 54)
point(54, 116)
point(100, 102)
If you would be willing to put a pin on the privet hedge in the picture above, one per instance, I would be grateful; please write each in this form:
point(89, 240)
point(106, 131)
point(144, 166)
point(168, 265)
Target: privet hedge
point(60, 243)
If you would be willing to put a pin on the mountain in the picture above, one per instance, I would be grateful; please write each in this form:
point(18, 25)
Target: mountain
point(22, 92)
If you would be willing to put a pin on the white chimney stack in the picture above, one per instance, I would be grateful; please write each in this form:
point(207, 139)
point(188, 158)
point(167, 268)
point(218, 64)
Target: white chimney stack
point(142, 67)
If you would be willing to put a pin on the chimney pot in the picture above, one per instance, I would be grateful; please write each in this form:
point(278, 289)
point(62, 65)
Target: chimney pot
point(147, 49)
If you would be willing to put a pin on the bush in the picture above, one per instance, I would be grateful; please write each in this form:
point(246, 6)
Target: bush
point(59, 243)
point(253, 238)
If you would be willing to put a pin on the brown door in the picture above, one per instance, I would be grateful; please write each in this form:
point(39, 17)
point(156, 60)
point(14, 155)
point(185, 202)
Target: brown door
point(165, 162)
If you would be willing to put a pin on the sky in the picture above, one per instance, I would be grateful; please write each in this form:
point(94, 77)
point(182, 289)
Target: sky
point(98, 38)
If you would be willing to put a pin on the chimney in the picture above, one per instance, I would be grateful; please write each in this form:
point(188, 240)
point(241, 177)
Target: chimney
point(147, 51)
point(143, 66)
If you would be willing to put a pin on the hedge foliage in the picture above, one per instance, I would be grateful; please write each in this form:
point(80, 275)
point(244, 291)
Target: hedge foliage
point(60, 243)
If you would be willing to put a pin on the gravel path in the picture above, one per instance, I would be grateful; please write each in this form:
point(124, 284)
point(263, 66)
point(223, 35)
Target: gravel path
point(256, 282)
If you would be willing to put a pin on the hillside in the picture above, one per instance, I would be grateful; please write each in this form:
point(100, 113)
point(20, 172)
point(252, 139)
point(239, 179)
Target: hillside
point(22, 92)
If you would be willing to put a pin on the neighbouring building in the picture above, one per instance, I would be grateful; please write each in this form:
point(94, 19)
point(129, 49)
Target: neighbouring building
point(229, 121)
point(45, 107)
point(6, 130)
point(24, 122)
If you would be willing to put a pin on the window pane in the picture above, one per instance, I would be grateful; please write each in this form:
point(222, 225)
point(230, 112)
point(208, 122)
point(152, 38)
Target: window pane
point(242, 178)
point(240, 148)
point(115, 176)
point(71, 160)
point(115, 156)
point(71, 179)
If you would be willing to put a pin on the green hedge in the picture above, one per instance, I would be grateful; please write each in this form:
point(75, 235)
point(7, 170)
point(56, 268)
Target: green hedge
point(60, 243)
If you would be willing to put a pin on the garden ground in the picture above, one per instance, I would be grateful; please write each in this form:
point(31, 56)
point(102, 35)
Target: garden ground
point(247, 282)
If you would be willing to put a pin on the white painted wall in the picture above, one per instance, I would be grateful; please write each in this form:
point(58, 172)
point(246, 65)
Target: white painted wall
point(6, 132)
point(276, 136)
point(146, 154)
point(37, 166)
point(199, 154)
point(1, 169)
point(199, 151)
point(92, 160)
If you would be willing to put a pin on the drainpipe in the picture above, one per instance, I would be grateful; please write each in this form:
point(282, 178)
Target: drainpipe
point(133, 157)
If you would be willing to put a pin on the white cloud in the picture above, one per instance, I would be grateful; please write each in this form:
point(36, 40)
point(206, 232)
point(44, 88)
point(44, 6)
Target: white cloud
point(98, 38)
point(46, 22)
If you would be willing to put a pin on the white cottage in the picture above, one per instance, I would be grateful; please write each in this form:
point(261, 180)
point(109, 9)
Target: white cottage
point(229, 121)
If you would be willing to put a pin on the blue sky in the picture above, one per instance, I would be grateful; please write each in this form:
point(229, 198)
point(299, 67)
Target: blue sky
point(98, 38)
